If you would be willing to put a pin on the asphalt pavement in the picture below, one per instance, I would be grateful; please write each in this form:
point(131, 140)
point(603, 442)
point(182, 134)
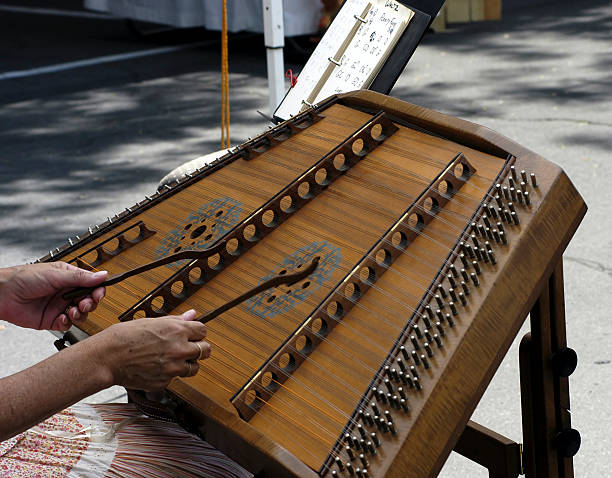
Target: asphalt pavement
point(93, 115)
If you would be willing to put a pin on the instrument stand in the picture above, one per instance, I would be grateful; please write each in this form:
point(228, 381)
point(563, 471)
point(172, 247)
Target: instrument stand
point(545, 363)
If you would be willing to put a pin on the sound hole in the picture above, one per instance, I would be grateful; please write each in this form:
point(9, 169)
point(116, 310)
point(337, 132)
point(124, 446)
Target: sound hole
point(250, 233)
point(251, 399)
point(383, 257)
point(445, 188)
point(358, 147)
point(233, 246)
point(335, 310)
point(340, 162)
point(177, 288)
point(139, 314)
point(376, 132)
point(303, 344)
point(319, 326)
point(195, 275)
point(287, 204)
point(367, 274)
point(157, 303)
point(430, 204)
point(399, 240)
point(304, 190)
point(268, 218)
point(286, 362)
point(321, 177)
point(269, 381)
point(215, 261)
point(352, 291)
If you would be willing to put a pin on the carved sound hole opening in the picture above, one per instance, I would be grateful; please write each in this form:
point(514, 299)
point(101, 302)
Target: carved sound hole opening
point(377, 132)
point(367, 274)
point(269, 380)
point(250, 233)
point(195, 276)
point(303, 344)
point(352, 291)
point(112, 246)
point(358, 147)
point(286, 362)
point(399, 240)
point(287, 204)
point(445, 188)
point(319, 326)
point(252, 399)
point(268, 218)
point(139, 314)
point(415, 222)
point(340, 162)
point(157, 304)
point(383, 257)
point(233, 247)
point(335, 310)
point(133, 234)
point(321, 177)
point(215, 261)
point(431, 205)
point(304, 190)
point(461, 171)
point(177, 289)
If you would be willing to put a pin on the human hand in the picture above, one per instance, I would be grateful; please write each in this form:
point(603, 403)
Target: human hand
point(31, 295)
point(145, 354)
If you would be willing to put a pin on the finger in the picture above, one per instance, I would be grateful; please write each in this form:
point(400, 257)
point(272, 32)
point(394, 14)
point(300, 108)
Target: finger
point(203, 350)
point(191, 368)
point(61, 323)
point(188, 315)
point(66, 275)
point(98, 294)
point(196, 331)
point(86, 305)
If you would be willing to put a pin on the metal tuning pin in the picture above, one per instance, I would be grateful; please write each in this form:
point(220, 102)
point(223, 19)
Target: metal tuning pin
point(506, 193)
point(425, 362)
point(371, 448)
point(452, 306)
point(368, 418)
point(523, 186)
point(475, 241)
point(414, 371)
point(381, 396)
point(401, 392)
point(486, 221)
point(382, 425)
point(475, 279)
point(417, 383)
point(388, 416)
point(462, 299)
point(427, 335)
point(450, 321)
point(474, 228)
point(401, 364)
point(498, 200)
point(511, 182)
point(496, 236)
point(492, 256)
point(438, 299)
point(513, 172)
point(426, 321)
point(438, 341)
point(453, 294)
point(481, 230)
point(503, 238)
point(339, 464)
point(465, 276)
point(489, 232)
point(363, 460)
point(415, 342)
point(429, 312)
point(439, 315)
point(404, 352)
point(464, 260)
point(375, 409)
point(519, 194)
point(417, 330)
point(483, 253)
point(415, 358)
point(492, 212)
point(391, 427)
point(478, 254)
point(526, 198)
point(534, 182)
point(466, 289)
point(515, 219)
point(508, 216)
point(441, 289)
point(375, 439)
point(511, 207)
point(440, 329)
point(361, 431)
point(349, 468)
point(523, 176)
point(334, 472)
point(428, 350)
point(404, 405)
point(389, 385)
point(451, 281)
point(476, 268)
point(349, 441)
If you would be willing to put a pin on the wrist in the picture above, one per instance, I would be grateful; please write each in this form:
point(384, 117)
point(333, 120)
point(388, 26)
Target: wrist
point(97, 355)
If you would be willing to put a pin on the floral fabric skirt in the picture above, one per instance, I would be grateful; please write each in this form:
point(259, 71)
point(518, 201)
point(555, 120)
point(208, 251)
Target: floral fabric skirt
point(112, 440)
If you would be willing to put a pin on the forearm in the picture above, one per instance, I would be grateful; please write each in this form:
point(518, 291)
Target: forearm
point(30, 396)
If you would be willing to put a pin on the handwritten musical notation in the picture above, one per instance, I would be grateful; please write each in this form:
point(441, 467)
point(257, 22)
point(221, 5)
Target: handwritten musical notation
point(350, 54)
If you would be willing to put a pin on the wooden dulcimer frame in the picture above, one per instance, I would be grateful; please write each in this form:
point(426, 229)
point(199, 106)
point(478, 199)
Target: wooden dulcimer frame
point(399, 196)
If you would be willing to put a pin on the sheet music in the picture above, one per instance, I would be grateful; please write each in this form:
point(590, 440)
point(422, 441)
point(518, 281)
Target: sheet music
point(350, 54)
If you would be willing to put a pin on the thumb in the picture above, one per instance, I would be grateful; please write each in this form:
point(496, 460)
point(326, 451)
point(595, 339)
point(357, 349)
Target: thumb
point(72, 276)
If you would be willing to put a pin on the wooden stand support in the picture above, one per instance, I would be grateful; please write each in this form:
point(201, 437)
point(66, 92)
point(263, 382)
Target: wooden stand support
point(545, 363)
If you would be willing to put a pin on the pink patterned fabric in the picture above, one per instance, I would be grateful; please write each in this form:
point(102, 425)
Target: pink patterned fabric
point(114, 441)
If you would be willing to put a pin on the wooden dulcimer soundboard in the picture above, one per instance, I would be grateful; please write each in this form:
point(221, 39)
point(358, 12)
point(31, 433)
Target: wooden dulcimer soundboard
point(433, 237)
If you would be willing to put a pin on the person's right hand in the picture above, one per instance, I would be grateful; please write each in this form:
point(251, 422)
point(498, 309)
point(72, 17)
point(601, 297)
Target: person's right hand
point(145, 354)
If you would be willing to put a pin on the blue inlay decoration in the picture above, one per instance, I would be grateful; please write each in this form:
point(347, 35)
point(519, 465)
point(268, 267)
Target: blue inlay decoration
point(281, 299)
point(201, 228)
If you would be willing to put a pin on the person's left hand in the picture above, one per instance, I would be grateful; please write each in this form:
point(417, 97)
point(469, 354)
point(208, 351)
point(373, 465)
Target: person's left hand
point(31, 295)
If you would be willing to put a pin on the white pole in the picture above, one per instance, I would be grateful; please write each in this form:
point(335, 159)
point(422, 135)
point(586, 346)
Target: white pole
point(274, 39)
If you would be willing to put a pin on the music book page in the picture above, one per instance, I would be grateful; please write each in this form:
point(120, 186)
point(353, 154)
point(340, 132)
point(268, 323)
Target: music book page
point(350, 54)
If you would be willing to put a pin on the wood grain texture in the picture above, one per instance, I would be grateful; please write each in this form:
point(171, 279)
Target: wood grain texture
point(295, 432)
